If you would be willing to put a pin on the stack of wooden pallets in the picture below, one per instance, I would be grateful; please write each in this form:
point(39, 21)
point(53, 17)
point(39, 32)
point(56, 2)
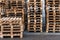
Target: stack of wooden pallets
point(52, 16)
point(12, 19)
point(12, 27)
point(34, 15)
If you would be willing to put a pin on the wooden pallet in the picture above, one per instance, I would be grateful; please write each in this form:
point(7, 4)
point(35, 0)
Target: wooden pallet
point(16, 10)
point(52, 16)
point(13, 3)
point(11, 27)
point(17, 3)
point(13, 13)
point(34, 15)
point(35, 28)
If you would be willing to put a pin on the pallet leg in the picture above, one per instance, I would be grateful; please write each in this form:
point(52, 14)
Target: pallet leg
point(21, 36)
point(47, 29)
point(11, 36)
point(1, 36)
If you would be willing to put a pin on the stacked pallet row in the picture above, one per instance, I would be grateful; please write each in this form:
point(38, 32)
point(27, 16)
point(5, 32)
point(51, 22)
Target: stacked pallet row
point(12, 19)
point(11, 27)
point(52, 15)
point(15, 9)
point(34, 15)
point(1, 7)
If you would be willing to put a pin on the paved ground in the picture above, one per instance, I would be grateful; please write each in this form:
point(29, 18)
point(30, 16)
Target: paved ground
point(37, 37)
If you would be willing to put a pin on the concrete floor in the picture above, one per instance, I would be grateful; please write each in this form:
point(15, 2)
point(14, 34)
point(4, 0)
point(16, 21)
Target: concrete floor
point(36, 37)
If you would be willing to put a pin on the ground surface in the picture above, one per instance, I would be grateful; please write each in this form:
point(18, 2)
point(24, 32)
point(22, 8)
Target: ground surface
point(36, 37)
